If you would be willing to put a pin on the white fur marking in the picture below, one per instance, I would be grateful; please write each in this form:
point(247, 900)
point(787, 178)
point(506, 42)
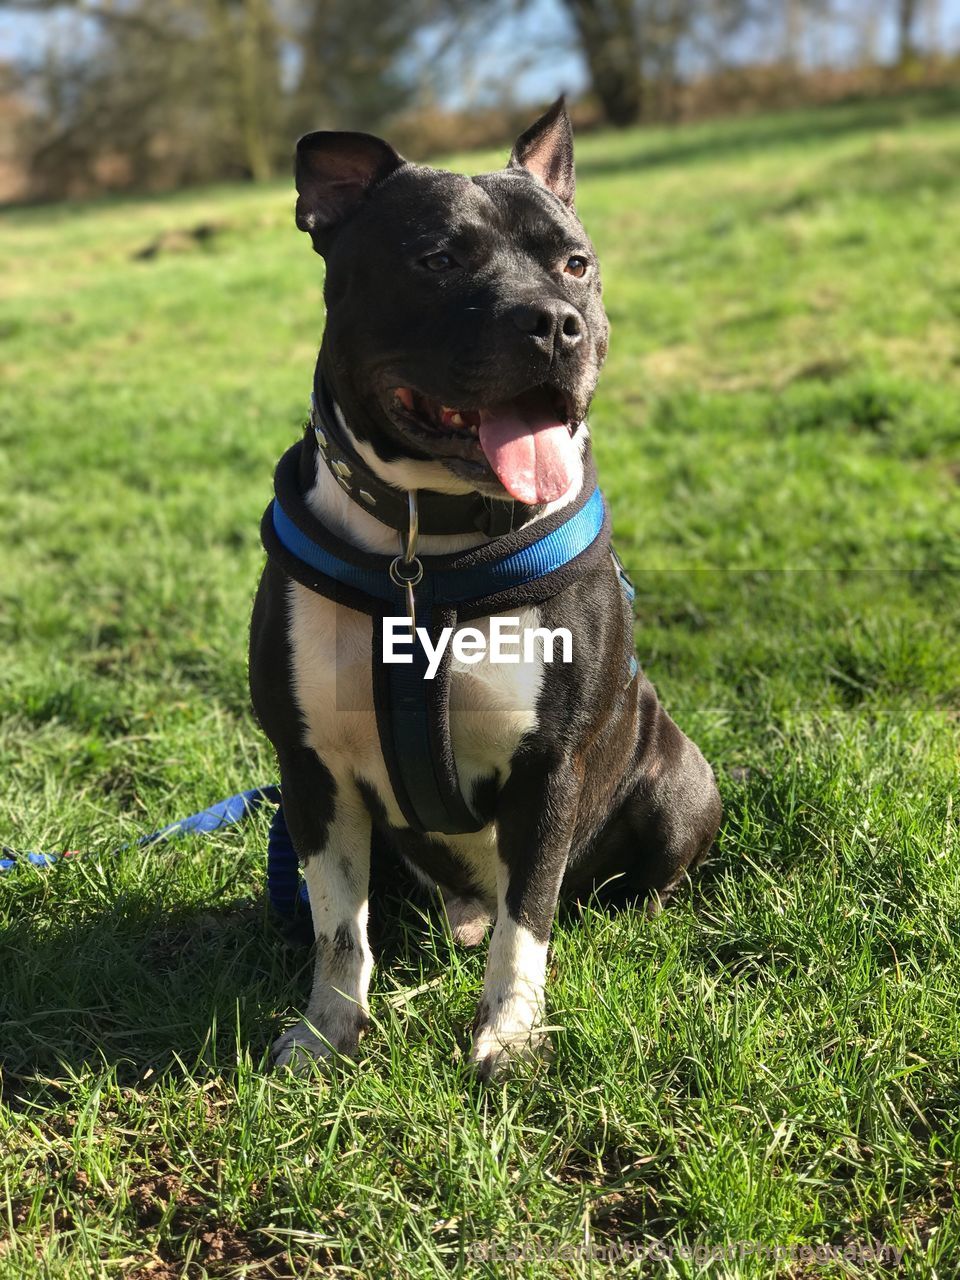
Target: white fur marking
point(337, 882)
point(513, 995)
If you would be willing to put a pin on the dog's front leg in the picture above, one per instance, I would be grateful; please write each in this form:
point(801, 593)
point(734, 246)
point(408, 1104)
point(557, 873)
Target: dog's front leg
point(535, 817)
point(336, 866)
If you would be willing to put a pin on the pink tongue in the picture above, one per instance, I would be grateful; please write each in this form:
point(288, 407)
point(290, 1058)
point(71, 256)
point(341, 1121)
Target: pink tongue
point(535, 461)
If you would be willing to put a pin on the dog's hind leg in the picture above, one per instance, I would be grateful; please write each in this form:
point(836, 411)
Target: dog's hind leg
point(330, 828)
point(469, 919)
point(667, 823)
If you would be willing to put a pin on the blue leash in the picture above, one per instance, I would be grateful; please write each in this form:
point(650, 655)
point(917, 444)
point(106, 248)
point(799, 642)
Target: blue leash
point(286, 891)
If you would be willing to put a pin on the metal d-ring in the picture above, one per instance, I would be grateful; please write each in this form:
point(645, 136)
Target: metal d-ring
point(408, 559)
point(402, 579)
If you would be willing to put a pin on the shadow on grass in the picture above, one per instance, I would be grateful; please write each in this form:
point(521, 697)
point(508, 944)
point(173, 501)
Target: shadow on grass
point(770, 133)
point(148, 991)
point(134, 987)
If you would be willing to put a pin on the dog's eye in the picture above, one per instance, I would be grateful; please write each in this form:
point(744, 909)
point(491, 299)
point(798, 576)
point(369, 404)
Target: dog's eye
point(439, 261)
point(576, 266)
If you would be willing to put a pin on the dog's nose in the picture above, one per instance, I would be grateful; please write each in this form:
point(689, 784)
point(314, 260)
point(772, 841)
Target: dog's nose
point(551, 324)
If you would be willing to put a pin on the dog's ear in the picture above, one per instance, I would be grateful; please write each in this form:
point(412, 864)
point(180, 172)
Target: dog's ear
point(335, 171)
point(546, 151)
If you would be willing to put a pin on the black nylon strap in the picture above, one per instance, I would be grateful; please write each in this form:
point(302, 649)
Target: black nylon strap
point(413, 720)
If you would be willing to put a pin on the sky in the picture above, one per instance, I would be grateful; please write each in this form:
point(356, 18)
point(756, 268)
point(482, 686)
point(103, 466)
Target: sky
point(534, 56)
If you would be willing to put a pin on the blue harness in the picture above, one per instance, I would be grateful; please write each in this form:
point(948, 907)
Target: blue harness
point(517, 569)
point(445, 586)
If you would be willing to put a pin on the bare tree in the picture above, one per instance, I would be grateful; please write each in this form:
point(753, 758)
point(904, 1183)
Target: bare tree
point(808, 26)
point(352, 61)
point(153, 94)
point(906, 19)
point(158, 93)
point(792, 32)
point(361, 62)
point(868, 32)
point(609, 33)
point(636, 49)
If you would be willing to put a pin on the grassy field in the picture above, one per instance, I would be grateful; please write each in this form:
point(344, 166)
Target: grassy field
point(775, 1058)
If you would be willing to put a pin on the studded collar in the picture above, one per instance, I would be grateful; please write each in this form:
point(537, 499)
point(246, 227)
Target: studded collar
point(440, 513)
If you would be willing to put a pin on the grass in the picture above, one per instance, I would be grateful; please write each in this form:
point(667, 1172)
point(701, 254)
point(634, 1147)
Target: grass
point(774, 1059)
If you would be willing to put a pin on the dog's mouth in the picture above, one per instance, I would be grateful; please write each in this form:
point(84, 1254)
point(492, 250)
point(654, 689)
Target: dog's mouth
point(526, 442)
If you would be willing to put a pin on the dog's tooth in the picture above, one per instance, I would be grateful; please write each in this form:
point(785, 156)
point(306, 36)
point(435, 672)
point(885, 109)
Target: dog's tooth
point(450, 417)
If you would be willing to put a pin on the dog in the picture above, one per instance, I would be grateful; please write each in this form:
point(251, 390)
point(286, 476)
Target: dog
point(464, 338)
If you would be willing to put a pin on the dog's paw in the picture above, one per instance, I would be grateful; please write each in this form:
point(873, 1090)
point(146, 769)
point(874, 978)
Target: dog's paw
point(494, 1051)
point(304, 1044)
point(298, 1047)
point(506, 1040)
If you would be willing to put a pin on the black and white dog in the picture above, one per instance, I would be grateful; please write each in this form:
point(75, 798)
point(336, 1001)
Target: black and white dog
point(464, 338)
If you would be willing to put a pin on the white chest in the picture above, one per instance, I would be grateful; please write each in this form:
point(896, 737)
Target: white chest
point(492, 704)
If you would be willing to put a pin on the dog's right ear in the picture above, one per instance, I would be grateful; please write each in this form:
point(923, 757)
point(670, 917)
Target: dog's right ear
point(335, 171)
point(546, 151)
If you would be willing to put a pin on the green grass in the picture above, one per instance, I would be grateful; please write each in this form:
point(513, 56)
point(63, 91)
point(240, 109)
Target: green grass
point(773, 1059)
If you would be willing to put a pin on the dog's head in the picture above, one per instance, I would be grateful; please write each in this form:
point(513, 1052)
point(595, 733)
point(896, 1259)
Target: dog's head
point(464, 321)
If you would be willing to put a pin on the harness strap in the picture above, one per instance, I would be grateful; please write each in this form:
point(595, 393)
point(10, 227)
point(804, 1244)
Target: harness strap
point(519, 569)
point(525, 567)
point(413, 720)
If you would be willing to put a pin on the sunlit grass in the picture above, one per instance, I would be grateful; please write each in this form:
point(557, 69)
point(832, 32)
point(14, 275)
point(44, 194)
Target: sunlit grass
point(773, 1059)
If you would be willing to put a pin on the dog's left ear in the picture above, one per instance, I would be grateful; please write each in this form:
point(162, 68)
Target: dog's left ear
point(546, 151)
point(335, 170)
